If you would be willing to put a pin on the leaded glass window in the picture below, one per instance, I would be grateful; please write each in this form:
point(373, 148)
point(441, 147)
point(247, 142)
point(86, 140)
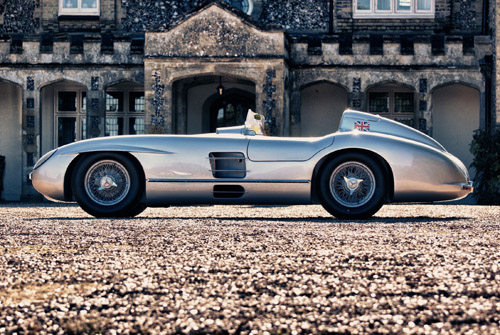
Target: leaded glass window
point(394, 102)
point(70, 116)
point(78, 7)
point(393, 8)
point(245, 6)
point(124, 111)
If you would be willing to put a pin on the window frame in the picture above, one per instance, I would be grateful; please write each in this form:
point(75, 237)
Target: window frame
point(80, 114)
point(250, 6)
point(394, 13)
point(126, 114)
point(392, 90)
point(79, 11)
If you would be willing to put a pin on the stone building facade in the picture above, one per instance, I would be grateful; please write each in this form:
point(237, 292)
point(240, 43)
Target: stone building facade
point(76, 69)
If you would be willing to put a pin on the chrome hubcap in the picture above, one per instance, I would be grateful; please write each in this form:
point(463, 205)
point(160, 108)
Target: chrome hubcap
point(107, 182)
point(352, 184)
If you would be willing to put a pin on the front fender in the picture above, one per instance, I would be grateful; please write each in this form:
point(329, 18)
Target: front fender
point(48, 179)
point(421, 172)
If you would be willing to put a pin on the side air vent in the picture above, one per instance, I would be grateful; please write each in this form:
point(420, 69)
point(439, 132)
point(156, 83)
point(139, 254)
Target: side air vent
point(227, 164)
point(228, 191)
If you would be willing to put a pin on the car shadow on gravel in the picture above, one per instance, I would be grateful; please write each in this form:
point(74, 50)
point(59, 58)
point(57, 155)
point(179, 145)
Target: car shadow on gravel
point(387, 220)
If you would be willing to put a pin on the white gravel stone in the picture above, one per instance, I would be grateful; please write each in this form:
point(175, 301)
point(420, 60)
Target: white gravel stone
point(412, 269)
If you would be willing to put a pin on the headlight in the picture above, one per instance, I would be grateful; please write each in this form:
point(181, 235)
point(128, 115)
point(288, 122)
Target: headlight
point(44, 159)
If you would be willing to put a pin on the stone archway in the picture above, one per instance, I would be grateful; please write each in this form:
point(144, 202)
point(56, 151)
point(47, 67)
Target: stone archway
point(194, 97)
point(455, 116)
point(63, 114)
point(11, 144)
point(230, 109)
point(322, 105)
point(205, 44)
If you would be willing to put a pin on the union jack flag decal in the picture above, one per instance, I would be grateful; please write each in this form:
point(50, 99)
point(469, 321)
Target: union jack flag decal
point(362, 125)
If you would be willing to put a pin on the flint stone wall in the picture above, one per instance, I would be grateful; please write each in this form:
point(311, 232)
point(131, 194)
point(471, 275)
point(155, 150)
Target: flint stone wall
point(32, 16)
point(17, 16)
point(160, 15)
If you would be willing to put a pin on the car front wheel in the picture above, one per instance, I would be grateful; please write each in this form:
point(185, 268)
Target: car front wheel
point(352, 186)
point(108, 185)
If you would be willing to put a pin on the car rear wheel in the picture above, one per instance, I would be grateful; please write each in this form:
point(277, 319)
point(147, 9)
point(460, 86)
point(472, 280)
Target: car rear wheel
point(352, 186)
point(108, 185)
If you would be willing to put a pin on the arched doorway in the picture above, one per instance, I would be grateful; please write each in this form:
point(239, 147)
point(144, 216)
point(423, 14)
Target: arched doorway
point(322, 105)
point(11, 143)
point(455, 116)
point(197, 100)
point(230, 110)
point(64, 114)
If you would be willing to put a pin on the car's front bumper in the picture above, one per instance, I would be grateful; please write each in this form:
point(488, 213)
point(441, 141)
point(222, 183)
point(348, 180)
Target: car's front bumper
point(48, 178)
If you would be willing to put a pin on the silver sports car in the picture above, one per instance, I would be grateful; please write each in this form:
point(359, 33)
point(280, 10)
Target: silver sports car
point(370, 161)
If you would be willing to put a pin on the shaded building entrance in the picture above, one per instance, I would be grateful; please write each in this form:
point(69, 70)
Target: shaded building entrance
point(198, 99)
point(184, 66)
point(11, 143)
point(230, 110)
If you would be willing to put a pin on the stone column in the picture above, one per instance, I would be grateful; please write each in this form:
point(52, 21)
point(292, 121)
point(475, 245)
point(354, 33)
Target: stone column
point(269, 100)
point(496, 69)
point(272, 97)
point(96, 109)
point(357, 97)
point(159, 118)
point(31, 131)
point(179, 106)
point(487, 96)
point(423, 117)
point(295, 108)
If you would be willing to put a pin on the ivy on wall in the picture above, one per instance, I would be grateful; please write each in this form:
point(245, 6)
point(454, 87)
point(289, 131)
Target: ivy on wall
point(485, 147)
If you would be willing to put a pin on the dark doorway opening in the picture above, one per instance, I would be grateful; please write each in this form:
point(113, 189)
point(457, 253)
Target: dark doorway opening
point(230, 110)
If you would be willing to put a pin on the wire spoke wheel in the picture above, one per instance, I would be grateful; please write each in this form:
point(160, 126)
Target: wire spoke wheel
point(352, 184)
point(107, 182)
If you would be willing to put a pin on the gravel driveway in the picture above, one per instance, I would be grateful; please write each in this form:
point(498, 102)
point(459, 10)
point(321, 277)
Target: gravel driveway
point(412, 269)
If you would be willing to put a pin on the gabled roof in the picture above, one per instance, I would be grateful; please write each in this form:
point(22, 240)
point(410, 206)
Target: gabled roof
point(216, 30)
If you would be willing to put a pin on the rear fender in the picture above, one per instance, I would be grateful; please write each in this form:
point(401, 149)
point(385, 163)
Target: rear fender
point(318, 170)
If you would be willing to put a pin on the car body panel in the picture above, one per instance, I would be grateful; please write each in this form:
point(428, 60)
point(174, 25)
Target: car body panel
point(49, 177)
point(377, 124)
point(286, 149)
point(234, 167)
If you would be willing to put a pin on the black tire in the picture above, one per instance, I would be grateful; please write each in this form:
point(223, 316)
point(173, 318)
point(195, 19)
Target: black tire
point(108, 185)
point(352, 186)
point(138, 209)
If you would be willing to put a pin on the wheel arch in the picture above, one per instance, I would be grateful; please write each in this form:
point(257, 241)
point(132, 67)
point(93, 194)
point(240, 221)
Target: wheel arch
point(68, 191)
point(318, 169)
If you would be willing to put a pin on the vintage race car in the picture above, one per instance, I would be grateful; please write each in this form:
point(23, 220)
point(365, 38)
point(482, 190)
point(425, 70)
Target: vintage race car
point(370, 161)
